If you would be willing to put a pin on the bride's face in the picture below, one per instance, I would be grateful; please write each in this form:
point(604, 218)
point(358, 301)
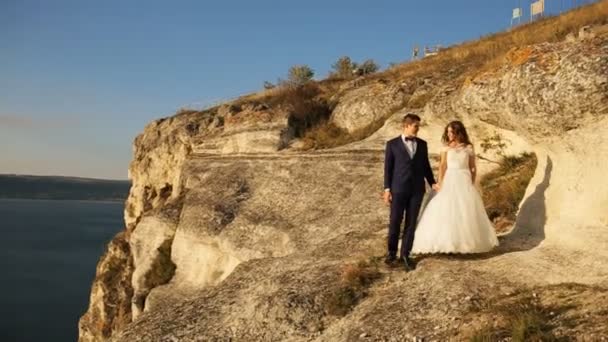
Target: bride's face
point(451, 135)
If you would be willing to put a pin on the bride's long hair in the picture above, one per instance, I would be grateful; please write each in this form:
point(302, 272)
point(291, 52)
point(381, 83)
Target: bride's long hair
point(460, 132)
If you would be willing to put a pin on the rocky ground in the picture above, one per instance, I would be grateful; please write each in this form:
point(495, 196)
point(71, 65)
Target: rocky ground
point(234, 234)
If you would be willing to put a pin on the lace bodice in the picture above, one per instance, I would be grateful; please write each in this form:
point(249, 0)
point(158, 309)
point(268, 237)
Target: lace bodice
point(458, 157)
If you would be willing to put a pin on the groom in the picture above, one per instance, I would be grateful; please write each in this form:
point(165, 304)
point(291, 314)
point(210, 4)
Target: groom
point(406, 165)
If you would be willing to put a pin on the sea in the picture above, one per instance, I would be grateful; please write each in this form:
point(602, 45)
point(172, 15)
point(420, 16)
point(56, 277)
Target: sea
point(48, 253)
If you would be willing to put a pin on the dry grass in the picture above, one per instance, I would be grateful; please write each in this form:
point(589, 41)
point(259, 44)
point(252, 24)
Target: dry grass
point(523, 326)
point(306, 105)
point(325, 135)
point(420, 101)
point(521, 318)
point(504, 188)
point(328, 135)
point(558, 312)
point(354, 281)
point(491, 50)
point(310, 106)
point(463, 62)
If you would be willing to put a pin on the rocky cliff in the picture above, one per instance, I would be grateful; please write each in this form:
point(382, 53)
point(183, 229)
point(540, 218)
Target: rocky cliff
point(235, 233)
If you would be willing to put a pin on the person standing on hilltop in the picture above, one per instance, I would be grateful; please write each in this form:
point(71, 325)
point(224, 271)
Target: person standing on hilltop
point(406, 166)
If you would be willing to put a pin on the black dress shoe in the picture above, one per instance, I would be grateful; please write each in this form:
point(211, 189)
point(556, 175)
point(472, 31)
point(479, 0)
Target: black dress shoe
point(390, 260)
point(408, 264)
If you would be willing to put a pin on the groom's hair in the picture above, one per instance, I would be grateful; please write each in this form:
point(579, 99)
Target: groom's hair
point(410, 118)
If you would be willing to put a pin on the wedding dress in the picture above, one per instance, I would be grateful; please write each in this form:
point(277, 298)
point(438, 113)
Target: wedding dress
point(455, 220)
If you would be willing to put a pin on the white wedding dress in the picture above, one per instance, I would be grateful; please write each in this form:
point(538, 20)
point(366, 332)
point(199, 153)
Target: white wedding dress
point(455, 220)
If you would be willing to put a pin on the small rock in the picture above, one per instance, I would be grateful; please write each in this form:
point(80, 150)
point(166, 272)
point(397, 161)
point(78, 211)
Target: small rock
point(570, 37)
point(585, 32)
point(363, 335)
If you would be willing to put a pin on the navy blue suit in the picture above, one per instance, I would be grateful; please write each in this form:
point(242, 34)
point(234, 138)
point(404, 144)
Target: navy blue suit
point(405, 176)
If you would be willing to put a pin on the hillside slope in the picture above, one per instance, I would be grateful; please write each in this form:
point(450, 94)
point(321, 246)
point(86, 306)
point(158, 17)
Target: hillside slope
point(236, 232)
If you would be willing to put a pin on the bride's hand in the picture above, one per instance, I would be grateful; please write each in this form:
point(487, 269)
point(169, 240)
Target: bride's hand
point(436, 187)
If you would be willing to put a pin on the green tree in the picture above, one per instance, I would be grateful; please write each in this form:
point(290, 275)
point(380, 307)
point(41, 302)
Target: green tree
point(300, 74)
point(369, 67)
point(343, 67)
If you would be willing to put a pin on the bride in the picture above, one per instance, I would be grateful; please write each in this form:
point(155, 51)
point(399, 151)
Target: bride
point(455, 220)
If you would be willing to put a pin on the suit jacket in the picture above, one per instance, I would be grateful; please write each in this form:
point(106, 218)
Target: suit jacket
point(402, 172)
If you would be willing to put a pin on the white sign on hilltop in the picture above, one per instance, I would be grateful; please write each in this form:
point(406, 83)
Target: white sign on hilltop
point(517, 14)
point(537, 8)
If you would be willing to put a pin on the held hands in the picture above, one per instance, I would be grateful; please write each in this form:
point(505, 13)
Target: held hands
point(436, 187)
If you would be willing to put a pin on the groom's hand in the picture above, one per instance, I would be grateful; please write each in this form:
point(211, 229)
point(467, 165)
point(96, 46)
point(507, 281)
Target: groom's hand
point(387, 197)
point(436, 187)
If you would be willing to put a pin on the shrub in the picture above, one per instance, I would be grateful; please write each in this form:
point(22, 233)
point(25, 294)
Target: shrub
point(494, 142)
point(327, 135)
point(368, 67)
point(300, 74)
point(504, 188)
point(343, 67)
point(304, 103)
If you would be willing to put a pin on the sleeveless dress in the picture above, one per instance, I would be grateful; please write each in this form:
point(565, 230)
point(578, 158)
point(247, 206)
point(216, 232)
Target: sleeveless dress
point(455, 220)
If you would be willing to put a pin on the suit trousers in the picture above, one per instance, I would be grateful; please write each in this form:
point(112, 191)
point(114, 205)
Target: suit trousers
point(408, 203)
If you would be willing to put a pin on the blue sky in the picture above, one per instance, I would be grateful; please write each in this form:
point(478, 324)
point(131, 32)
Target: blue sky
point(80, 79)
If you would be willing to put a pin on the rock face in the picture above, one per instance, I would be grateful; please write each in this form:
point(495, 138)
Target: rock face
point(143, 256)
point(541, 91)
point(555, 96)
point(363, 105)
point(110, 307)
point(231, 237)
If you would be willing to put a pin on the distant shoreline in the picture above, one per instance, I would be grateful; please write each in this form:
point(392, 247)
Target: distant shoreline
point(63, 199)
point(63, 188)
point(65, 178)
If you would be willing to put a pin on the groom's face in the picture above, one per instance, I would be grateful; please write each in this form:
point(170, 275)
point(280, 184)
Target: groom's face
point(412, 128)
